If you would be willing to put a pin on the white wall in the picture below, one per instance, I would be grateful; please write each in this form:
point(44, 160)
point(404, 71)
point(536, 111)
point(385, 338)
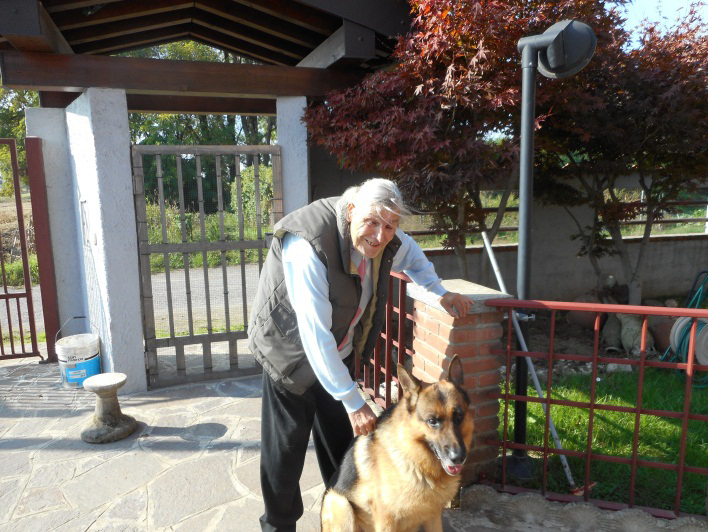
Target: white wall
point(558, 274)
point(292, 138)
point(50, 126)
point(92, 216)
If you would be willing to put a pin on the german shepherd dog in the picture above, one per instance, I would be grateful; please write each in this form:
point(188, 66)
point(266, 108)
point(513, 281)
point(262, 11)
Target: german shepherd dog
point(400, 476)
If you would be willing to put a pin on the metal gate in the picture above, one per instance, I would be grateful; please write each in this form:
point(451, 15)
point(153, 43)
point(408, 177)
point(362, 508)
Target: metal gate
point(18, 335)
point(202, 217)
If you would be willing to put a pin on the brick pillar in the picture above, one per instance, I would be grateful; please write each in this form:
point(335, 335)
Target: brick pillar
point(437, 336)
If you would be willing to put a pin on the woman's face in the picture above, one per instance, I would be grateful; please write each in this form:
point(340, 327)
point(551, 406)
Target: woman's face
point(371, 231)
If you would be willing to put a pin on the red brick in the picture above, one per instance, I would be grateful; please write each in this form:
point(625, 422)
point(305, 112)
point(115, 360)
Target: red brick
point(477, 364)
point(489, 379)
point(483, 453)
point(464, 336)
point(486, 424)
point(491, 317)
point(444, 317)
point(418, 361)
point(433, 371)
point(420, 346)
point(470, 382)
point(481, 439)
point(420, 374)
point(490, 409)
point(437, 343)
point(478, 397)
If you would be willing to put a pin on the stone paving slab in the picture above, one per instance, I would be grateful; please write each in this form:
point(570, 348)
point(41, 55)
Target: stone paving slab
point(192, 465)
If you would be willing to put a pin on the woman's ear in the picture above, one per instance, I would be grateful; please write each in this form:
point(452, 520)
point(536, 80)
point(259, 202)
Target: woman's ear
point(350, 208)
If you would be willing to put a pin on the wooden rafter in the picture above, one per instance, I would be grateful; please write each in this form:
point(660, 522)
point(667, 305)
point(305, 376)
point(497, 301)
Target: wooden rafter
point(65, 5)
point(262, 22)
point(124, 10)
point(125, 27)
point(296, 13)
point(251, 35)
point(134, 40)
point(61, 72)
point(239, 47)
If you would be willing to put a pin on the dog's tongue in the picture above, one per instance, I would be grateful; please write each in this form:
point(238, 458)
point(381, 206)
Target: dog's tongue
point(453, 469)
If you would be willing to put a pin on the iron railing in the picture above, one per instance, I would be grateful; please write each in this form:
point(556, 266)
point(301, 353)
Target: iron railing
point(688, 367)
point(16, 321)
point(379, 370)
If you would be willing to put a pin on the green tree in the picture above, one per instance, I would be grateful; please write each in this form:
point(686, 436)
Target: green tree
point(195, 129)
point(12, 125)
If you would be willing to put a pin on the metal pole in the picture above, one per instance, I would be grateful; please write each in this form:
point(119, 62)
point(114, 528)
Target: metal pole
point(529, 62)
point(529, 362)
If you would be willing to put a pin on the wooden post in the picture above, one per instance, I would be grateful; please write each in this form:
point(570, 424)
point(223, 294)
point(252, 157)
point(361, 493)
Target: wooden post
point(43, 242)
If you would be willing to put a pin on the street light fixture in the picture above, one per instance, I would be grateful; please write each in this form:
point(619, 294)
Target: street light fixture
point(561, 51)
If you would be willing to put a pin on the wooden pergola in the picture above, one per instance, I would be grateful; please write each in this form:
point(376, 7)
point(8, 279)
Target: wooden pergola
point(302, 47)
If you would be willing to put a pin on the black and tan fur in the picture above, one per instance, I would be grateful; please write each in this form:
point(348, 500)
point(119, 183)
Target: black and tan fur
point(401, 476)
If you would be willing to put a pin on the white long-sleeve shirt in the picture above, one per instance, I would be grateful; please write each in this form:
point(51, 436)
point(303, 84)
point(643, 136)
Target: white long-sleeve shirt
point(308, 289)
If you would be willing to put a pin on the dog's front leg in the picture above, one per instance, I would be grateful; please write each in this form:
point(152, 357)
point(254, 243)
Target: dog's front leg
point(383, 520)
point(434, 524)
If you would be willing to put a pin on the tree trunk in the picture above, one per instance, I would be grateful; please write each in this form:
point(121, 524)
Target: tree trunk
point(461, 255)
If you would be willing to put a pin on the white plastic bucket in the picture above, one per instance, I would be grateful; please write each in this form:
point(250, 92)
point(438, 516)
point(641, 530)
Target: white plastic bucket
point(79, 358)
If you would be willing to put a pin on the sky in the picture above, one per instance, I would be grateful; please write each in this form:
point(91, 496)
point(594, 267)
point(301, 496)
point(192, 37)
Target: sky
point(656, 10)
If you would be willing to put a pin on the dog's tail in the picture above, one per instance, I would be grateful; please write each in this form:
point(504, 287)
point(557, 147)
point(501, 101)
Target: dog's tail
point(337, 514)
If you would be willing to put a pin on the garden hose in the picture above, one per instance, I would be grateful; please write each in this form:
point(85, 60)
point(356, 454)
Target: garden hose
point(684, 338)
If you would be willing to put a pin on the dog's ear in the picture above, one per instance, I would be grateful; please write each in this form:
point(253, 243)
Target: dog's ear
point(409, 384)
point(455, 373)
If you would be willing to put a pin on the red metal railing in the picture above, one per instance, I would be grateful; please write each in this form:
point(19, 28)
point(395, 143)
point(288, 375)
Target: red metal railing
point(689, 367)
point(393, 335)
point(17, 348)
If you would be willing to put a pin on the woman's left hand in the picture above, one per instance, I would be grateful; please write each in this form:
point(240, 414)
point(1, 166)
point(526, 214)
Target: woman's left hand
point(456, 304)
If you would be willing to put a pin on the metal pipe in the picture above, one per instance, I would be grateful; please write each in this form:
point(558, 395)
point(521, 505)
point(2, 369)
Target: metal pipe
point(529, 62)
point(529, 362)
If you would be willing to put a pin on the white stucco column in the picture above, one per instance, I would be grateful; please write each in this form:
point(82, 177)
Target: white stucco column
point(50, 126)
point(99, 147)
point(292, 138)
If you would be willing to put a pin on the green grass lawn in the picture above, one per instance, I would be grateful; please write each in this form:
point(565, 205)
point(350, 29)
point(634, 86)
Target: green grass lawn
point(613, 434)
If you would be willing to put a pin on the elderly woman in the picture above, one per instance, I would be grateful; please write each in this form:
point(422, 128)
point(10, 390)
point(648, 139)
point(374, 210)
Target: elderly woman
point(320, 302)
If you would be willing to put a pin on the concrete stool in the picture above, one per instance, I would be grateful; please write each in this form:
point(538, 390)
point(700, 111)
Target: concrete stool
point(108, 423)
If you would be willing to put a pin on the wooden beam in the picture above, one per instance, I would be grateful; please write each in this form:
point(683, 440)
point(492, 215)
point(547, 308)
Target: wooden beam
point(124, 10)
point(390, 17)
point(28, 27)
point(149, 103)
point(57, 99)
point(126, 27)
point(67, 73)
point(351, 42)
point(192, 105)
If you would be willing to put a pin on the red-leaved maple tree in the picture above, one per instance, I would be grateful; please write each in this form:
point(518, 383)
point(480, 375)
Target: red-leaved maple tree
point(642, 114)
point(443, 121)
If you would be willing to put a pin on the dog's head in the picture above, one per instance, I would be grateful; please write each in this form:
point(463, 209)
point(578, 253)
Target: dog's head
point(440, 412)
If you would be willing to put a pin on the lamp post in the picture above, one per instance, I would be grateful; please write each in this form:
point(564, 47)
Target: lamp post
point(561, 51)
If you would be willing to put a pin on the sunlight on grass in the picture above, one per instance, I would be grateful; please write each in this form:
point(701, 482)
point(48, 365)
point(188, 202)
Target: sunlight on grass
point(613, 434)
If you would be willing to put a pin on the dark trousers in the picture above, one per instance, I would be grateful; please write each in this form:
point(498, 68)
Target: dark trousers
point(286, 422)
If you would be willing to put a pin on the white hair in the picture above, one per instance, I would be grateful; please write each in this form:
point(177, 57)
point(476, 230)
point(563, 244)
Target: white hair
point(376, 195)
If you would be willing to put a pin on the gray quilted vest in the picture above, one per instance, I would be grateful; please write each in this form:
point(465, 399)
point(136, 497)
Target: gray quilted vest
point(273, 334)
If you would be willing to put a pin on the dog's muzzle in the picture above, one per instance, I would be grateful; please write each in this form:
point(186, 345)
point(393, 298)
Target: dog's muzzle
point(453, 460)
